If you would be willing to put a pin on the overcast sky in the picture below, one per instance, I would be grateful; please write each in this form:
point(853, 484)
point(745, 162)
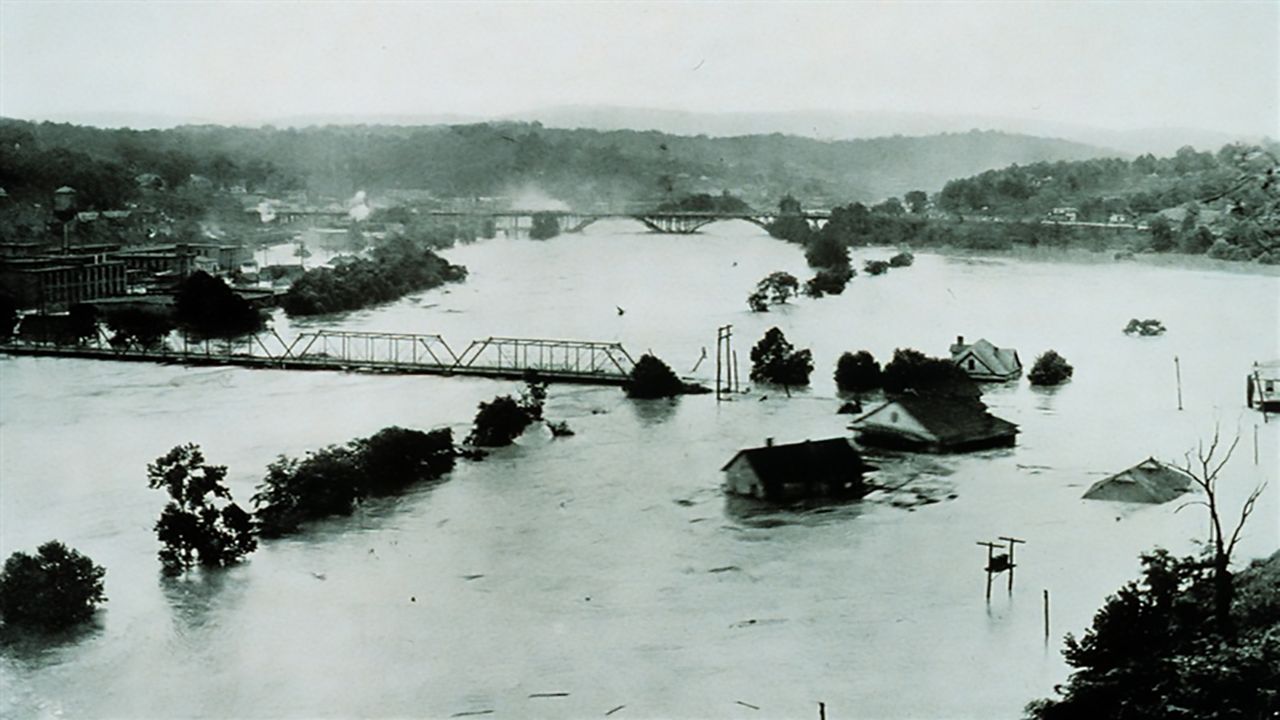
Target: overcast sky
point(1113, 65)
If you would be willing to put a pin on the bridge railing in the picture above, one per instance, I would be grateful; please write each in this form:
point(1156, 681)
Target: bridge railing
point(563, 357)
point(371, 348)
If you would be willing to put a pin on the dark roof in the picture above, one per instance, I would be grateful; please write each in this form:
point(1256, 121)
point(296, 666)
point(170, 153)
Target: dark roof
point(811, 457)
point(998, 360)
point(1150, 481)
point(955, 419)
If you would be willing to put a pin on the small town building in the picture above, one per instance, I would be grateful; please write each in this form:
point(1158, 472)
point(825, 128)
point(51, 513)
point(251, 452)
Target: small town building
point(934, 424)
point(813, 468)
point(1150, 481)
point(1263, 386)
point(986, 362)
point(49, 282)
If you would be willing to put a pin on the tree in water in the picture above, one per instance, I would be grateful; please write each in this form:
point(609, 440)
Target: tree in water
point(912, 371)
point(776, 289)
point(1050, 369)
point(56, 588)
point(775, 360)
point(207, 307)
point(546, 225)
point(857, 372)
point(652, 378)
point(194, 526)
point(501, 420)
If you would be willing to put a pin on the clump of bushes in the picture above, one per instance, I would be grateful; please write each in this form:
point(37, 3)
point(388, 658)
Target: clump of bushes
point(398, 267)
point(501, 420)
point(774, 360)
point(1150, 326)
point(333, 480)
point(912, 371)
point(56, 588)
point(902, 259)
point(144, 327)
point(857, 372)
point(1050, 368)
point(653, 378)
point(875, 267)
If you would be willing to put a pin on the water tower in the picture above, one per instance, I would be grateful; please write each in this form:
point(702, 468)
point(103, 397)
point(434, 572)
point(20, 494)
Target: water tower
point(64, 208)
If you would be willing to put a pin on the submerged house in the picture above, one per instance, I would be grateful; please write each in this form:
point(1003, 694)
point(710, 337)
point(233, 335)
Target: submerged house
point(1263, 386)
point(986, 362)
point(934, 424)
point(1150, 481)
point(813, 468)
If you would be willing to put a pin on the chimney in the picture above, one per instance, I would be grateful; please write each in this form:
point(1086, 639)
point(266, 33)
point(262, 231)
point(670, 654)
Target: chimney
point(959, 339)
point(768, 442)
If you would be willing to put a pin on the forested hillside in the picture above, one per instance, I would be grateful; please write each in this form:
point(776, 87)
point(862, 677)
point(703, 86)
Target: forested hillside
point(498, 159)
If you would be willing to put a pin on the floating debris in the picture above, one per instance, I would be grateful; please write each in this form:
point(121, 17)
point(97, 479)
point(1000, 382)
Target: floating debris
point(614, 710)
point(747, 704)
point(549, 695)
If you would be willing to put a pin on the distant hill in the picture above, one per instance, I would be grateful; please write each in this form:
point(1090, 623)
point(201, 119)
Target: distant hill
point(579, 166)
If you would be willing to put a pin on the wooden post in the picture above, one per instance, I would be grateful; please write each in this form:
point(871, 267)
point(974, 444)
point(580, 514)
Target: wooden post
point(737, 384)
point(822, 710)
point(1046, 615)
point(990, 558)
point(1177, 368)
point(1255, 443)
point(718, 351)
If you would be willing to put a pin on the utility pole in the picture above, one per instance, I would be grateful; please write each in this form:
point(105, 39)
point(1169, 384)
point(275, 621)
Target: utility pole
point(725, 361)
point(1177, 369)
point(998, 563)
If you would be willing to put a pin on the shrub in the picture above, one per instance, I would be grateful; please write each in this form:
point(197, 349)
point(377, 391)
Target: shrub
point(875, 267)
point(902, 259)
point(775, 360)
point(500, 421)
point(825, 251)
point(1050, 369)
point(56, 588)
point(1150, 326)
point(857, 372)
point(777, 288)
point(652, 378)
point(206, 307)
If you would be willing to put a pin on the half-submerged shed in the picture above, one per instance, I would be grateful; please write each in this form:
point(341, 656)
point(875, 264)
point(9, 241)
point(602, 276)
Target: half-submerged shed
point(1263, 386)
point(1150, 481)
point(813, 468)
point(935, 424)
point(986, 362)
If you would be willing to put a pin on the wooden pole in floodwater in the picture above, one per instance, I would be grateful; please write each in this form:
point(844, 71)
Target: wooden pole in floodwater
point(1177, 369)
point(737, 383)
point(1255, 443)
point(1046, 615)
point(822, 710)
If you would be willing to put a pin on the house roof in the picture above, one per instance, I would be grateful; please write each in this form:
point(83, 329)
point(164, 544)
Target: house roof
point(1150, 481)
point(950, 419)
point(811, 457)
point(998, 360)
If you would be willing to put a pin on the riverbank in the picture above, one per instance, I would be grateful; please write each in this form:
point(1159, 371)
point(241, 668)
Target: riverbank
point(1082, 256)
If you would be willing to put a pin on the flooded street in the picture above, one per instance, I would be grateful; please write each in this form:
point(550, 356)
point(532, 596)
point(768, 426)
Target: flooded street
point(608, 569)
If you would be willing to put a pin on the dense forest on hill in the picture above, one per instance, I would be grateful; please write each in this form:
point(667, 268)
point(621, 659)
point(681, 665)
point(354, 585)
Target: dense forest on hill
point(499, 159)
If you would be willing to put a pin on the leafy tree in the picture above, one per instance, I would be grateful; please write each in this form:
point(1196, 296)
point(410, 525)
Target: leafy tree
point(775, 360)
point(1153, 650)
point(1162, 235)
point(546, 225)
point(891, 207)
point(653, 378)
point(857, 372)
point(138, 326)
point(195, 526)
point(777, 288)
point(912, 371)
point(825, 251)
point(790, 223)
point(56, 588)
point(1050, 368)
point(828, 281)
point(205, 306)
point(917, 201)
point(398, 266)
point(902, 259)
point(875, 267)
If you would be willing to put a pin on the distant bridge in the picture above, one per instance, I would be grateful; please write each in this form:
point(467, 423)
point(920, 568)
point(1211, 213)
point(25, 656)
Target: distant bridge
point(573, 221)
point(660, 221)
point(560, 361)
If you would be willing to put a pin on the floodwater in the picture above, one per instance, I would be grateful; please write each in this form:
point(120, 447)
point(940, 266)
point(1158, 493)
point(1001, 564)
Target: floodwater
point(576, 576)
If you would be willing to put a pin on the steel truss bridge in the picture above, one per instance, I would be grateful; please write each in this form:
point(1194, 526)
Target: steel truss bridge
point(673, 222)
point(560, 361)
